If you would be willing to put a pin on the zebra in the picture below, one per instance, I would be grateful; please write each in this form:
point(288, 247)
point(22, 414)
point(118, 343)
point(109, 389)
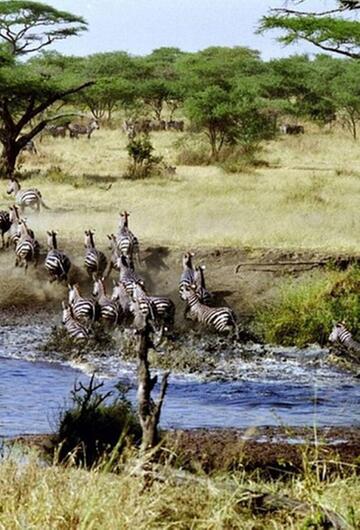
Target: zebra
point(127, 242)
point(82, 308)
point(95, 260)
point(27, 248)
point(14, 234)
point(220, 318)
point(122, 297)
point(160, 308)
point(187, 277)
point(23, 198)
point(56, 262)
point(110, 311)
point(342, 335)
point(75, 129)
point(5, 224)
point(113, 262)
point(56, 130)
point(75, 329)
point(127, 275)
point(204, 295)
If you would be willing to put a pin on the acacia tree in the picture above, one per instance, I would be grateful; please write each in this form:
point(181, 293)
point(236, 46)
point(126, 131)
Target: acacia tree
point(326, 29)
point(27, 92)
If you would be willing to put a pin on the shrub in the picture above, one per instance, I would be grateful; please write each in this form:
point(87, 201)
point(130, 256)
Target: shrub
point(305, 310)
point(142, 162)
point(93, 428)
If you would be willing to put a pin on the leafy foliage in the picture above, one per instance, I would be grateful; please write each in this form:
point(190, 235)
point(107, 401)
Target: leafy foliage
point(142, 161)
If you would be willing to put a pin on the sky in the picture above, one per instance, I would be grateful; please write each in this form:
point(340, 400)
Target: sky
point(139, 26)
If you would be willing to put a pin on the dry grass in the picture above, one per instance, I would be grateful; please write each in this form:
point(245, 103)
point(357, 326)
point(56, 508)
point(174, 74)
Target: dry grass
point(38, 497)
point(307, 198)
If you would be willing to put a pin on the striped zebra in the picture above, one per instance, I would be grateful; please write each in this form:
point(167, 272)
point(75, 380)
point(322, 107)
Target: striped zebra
point(5, 225)
point(82, 308)
point(159, 308)
point(75, 329)
point(342, 335)
point(219, 318)
point(56, 262)
point(113, 262)
point(127, 242)
point(14, 231)
point(95, 260)
point(127, 275)
point(110, 311)
point(122, 297)
point(30, 197)
point(75, 129)
point(187, 277)
point(204, 295)
point(27, 248)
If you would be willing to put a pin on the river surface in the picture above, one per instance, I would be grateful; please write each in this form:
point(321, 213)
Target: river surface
point(284, 389)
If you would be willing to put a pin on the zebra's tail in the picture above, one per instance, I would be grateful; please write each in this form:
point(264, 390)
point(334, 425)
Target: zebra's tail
point(42, 203)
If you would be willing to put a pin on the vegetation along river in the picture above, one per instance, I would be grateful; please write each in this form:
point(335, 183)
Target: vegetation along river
point(287, 387)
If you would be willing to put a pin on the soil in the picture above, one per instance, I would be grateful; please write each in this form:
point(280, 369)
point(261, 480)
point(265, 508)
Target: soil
point(271, 452)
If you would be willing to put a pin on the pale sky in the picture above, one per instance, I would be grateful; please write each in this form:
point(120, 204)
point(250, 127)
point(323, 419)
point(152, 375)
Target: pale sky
point(139, 26)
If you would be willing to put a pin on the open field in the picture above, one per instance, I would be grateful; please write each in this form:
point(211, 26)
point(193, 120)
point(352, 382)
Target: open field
point(307, 198)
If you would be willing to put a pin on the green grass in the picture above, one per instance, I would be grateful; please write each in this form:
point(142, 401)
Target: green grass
point(306, 309)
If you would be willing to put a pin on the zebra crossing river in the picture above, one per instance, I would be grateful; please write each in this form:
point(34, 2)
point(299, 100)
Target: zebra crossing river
point(277, 390)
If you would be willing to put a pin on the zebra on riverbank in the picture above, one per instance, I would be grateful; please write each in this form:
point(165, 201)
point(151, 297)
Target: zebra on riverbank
point(342, 335)
point(204, 295)
point(30, 197)
point(187, 277)
point(56, 262)
point(82, 308)
point(221, 319)
point(110, 311)
point(95, 260)
point(127, 242)
point(74, 328)
point(160, 308)
point(27, 248)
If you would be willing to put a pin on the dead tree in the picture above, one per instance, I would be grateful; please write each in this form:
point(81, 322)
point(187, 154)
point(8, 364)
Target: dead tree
point(149, 410)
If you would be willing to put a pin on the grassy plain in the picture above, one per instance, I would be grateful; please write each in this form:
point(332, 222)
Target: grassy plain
point(307, 197)
point(38, 497)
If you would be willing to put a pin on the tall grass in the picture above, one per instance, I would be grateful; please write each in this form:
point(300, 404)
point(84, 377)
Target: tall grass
point(306, 198)
point(305, 309)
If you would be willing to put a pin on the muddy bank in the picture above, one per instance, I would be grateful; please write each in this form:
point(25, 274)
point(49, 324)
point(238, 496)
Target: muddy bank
point(268, 451)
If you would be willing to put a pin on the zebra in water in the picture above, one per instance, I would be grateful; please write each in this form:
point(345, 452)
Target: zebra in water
point(74, 328)
point(220, 318)
point(204, 295)
point(187, 277)
point(110, 311)
point(75, 129)
point(30, 197)
point(160, 308)
point(342, 335)
point(95, 260)
point(27, 248)
point(127, 242)
point(56, 262)
point(82, 308)
point(5, 225)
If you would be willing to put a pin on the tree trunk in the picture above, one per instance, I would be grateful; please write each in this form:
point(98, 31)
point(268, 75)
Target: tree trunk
point(149, 411)
point(8, 158)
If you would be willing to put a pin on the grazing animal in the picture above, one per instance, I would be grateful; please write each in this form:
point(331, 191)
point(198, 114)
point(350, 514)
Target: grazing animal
point(187, 277)
point(127, 274)
point(342, 335)
point(110, 311)
point(76, 129)
point(82, 308)
point(27, 248)
point(5, 224)
point(56, 130)
point(287, 128)
point(56, 262)
point(204, 295)
point(24, 198)
point(113, 262)
point(74, 328)
point(159, 308)
point(121, 295)
point(127, 242)
point(219, 318)
point(95, 260)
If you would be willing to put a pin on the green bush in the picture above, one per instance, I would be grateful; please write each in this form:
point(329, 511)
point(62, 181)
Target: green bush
point(93, 428)
point(306, 309)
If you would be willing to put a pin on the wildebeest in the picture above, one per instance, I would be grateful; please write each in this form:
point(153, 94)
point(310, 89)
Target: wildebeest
point(77, 129)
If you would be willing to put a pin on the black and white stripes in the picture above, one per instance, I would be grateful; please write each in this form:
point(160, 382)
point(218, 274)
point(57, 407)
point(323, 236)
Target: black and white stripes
point(25, 198)
point(56, 262)
point(95, 260)
point(74, 328)
point(342, 335)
